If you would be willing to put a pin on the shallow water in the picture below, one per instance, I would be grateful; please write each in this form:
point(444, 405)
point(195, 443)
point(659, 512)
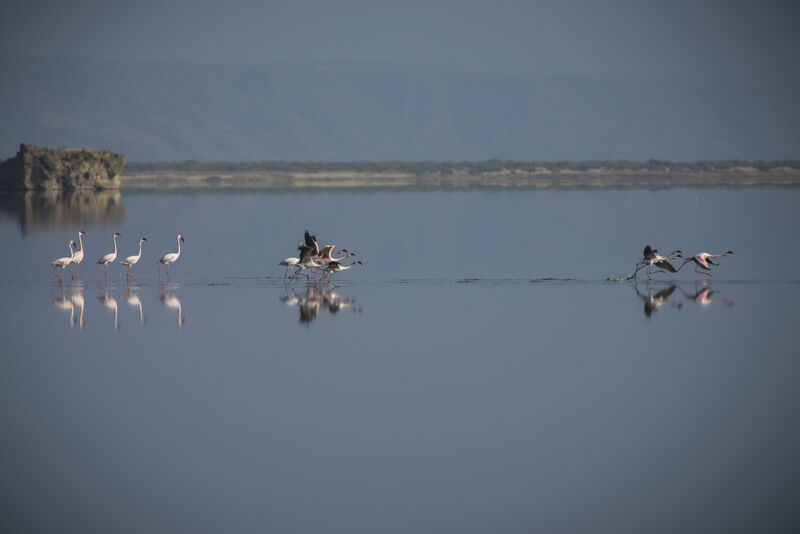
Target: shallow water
point(435, 388)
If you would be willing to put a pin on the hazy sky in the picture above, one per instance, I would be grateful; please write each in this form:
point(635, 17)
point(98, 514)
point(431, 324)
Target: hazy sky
point(583, 37)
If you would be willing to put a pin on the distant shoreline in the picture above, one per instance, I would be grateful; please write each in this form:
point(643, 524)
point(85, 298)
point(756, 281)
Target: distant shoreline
point(512, 179)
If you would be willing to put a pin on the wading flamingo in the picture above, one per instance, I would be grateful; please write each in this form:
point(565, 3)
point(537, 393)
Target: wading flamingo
point(110, 257)
point(168, 259)
point(64, 263)
point(130, 261)
point(77, 258)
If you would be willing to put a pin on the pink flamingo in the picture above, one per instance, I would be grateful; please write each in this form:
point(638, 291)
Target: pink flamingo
point(64, 263)
point(703, 260)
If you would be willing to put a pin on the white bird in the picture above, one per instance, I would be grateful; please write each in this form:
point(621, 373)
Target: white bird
point(110, 257)
point(170, 258)
point(289, 263)
point(64, 263)
point(130, 261)
point(77, 258)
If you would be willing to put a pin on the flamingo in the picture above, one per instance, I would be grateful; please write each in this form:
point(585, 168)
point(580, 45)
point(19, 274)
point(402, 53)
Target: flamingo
point(130, 261)
point(77, 258)
point(335, 267)
point(168, 259)
point(326, 255)
point(652, 257)
point(306, 261)
point(64, 263)
point(110, 257)
point(289, 263)
point(703, 260)
point(311, 241)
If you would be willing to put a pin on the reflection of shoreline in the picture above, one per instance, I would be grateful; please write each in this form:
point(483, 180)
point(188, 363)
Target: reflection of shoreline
point(166, 179)
point(38, 210)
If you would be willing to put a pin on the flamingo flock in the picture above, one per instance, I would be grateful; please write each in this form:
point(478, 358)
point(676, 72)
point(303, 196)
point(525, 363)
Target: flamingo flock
point(77, 256)
point(322, 262)
point(651, 257)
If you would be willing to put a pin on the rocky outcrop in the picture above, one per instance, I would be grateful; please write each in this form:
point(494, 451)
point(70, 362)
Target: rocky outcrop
point(70, 169)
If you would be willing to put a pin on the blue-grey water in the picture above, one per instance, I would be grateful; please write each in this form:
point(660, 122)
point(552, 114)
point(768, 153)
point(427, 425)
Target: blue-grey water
point(443, 386)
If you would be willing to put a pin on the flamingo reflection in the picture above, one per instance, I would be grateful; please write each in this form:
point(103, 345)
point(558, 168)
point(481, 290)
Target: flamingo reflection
point(314, 299)
point(112, 304)
point(63, 303)
point(171, 301)
point(76, 296)
point(68, 301)
point(134, 300)
point(704, 295)
point(652, 302)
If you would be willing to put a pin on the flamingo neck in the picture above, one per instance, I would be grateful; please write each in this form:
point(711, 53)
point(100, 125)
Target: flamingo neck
point(179, 246)
point(115, 245)
point(80, 240)
point(140, 249)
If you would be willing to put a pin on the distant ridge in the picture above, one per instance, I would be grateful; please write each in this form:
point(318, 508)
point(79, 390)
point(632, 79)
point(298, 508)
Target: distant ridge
point(355, 112)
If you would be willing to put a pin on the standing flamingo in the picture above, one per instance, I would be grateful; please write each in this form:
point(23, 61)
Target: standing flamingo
point(64, 263)
point(703, 260)
point(77, 258)
point(168, 259)
point(130, 261)
point(110, 257)
point(652, 257)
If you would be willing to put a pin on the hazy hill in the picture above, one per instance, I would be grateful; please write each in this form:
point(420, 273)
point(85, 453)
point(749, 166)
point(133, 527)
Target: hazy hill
point(159, 111)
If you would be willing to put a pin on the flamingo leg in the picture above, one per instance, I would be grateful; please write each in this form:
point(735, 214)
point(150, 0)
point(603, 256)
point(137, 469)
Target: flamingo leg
point(700, 272)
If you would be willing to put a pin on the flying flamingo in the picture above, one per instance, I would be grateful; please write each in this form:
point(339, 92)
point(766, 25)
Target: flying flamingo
point(64, 263)
point(168, 259)
point(110, 257)
point(130, 261)
point(335, 267)
point(652, 257)
point(77, 258)
point(306, 261)
point(311, 242)
point(703, 260)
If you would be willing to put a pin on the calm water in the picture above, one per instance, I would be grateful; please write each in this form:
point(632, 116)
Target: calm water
point(435, 389)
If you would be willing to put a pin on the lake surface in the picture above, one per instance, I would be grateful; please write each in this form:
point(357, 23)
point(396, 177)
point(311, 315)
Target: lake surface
point(443, 386)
